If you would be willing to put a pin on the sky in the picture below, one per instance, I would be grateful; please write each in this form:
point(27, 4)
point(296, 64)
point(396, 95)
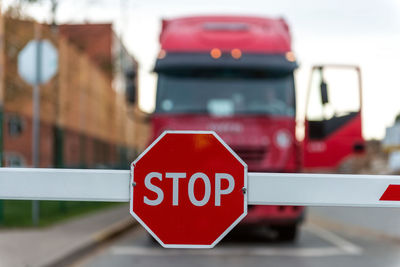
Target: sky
point(361, 32)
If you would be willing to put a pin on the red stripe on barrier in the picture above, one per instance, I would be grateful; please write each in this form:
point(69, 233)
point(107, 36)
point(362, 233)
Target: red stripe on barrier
point(392, 193)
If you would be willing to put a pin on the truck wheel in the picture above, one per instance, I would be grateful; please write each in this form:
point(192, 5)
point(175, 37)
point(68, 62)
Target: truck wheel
point(287, 232)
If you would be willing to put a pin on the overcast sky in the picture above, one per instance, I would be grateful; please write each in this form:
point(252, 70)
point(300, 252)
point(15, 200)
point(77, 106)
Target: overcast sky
point(362, 32)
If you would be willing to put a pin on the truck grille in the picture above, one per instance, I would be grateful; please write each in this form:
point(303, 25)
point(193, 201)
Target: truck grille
point(250, 155)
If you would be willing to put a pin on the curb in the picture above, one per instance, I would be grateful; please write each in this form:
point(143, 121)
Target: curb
point(95, 241)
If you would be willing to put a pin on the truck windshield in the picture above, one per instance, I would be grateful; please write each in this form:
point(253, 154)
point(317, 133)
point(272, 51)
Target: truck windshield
point(224, 93)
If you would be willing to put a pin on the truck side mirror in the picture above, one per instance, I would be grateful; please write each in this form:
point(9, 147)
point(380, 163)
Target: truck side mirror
point(324, 92)
point(131, 93)
point(131, 86)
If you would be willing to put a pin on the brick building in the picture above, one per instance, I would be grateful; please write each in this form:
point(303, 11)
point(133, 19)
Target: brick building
point(86, 120)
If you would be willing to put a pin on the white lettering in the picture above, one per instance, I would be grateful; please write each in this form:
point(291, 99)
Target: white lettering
point(155, 189)
point(207, 192)
point(218, 191)
point(175, 185)
point(175, 176)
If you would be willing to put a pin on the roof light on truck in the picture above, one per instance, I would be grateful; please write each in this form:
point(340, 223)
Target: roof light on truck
point(215, 53)
point(290, 56)
point(162, 54)
point(236, 53)
point(283, 139)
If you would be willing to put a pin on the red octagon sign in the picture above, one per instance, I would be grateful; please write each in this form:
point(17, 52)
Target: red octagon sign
point(188, 189)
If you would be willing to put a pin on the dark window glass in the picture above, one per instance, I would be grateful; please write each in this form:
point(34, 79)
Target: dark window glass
point(225, 93)
point(15, 125)
point(14, 160)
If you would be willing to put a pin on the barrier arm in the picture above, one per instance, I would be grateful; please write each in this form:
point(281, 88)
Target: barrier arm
point(263, 188)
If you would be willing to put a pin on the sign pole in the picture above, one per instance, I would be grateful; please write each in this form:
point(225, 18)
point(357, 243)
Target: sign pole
point(1, 154)
point(36, 119)
point(2, 41)
point(37, 63)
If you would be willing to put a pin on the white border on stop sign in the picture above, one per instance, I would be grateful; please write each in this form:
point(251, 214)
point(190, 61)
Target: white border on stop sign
point(187, 245)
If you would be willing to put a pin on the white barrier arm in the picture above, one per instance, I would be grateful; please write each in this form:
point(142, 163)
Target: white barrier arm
point(263, 188)
point(324, 189)
point(64, 184)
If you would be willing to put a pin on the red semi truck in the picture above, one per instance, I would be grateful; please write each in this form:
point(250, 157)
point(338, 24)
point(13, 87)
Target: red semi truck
point(235, 75)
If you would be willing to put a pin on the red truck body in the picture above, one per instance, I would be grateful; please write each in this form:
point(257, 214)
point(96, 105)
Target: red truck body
point(333, 139)
point(220, 73)
point(201, 34)
point(327, 154)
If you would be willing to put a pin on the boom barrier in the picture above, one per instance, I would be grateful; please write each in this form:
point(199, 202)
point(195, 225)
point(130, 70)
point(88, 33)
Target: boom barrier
point(304, 189)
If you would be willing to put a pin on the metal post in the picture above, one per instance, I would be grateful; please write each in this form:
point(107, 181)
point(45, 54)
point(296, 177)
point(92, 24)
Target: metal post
point(2, 70)
point(1, 156)
point(36, 127)
point(36, 119)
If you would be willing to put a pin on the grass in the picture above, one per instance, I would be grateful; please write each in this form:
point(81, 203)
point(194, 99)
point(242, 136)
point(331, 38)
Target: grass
point(18, 213)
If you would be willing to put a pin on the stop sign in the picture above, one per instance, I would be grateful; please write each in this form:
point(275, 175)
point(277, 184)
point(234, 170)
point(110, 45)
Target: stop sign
point(188, 189)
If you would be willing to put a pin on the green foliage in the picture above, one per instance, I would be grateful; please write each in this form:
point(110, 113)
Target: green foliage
point(397, 119)
point(18, 213)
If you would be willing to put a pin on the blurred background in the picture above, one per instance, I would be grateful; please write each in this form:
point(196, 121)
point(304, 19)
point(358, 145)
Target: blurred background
point(89, 84)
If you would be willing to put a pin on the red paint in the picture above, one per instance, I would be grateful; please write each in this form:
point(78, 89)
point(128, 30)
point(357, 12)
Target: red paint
point(272, 215)
point(251, 136)
point(334, 148)
point(259, 35)
point(392, 193)
point(186, 224)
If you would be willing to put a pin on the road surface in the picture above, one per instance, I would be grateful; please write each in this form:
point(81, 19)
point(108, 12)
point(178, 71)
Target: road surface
point(322, 242)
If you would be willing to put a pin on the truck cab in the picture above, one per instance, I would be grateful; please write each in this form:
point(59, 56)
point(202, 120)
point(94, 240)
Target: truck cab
point(234, 75)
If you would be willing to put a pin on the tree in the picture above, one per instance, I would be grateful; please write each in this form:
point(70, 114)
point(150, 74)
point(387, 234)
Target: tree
point(397, 119)
point(17, 10)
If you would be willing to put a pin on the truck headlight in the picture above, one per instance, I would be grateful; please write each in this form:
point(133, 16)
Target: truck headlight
point(283, 139)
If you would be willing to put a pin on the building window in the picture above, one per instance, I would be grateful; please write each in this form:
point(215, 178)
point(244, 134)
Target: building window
point(15, 125)
point(14, 160)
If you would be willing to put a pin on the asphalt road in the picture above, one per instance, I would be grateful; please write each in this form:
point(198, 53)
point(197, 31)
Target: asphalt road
point(320, 243)
point(380, 221)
